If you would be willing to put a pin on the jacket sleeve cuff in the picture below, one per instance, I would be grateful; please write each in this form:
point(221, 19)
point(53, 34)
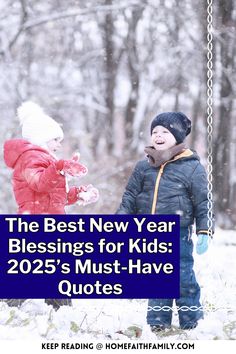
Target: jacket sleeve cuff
point(205, 232)
point(59, 165)
point(72, 196)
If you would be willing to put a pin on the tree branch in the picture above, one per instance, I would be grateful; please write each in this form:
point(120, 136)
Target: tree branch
point(59, 16)
point(24, 16)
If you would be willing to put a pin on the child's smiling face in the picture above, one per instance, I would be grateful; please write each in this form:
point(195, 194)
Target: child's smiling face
point(162, 139)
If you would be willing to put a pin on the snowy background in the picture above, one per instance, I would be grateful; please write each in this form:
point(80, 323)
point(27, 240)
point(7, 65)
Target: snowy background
point(104, 68)
point(111, 319)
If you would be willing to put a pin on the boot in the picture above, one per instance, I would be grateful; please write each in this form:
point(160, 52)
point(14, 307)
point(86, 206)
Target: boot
point(57, 303)
point(14, 302)
point(158, 328)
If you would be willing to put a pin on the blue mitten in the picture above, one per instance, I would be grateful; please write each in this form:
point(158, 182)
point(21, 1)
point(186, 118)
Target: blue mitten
point(202, 243)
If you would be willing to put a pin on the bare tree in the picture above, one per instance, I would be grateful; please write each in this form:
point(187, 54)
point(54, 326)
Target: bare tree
point(223, 136)
point(133, 70)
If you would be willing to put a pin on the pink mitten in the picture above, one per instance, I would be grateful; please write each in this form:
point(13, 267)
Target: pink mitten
point(72, 167)
point(88, 196)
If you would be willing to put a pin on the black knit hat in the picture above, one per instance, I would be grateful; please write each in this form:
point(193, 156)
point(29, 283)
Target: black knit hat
point(176, 122)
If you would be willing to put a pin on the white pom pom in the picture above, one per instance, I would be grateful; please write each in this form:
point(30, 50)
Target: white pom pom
point(27, 110)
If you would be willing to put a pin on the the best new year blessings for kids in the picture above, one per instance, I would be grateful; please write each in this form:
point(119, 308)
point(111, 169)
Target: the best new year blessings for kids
point(142, 246)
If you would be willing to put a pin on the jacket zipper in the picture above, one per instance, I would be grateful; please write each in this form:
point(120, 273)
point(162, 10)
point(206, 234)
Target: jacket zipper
point(154, 203)
point(186, 153)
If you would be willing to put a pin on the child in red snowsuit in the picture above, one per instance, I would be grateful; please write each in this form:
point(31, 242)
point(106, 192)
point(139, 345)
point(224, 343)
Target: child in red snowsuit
point(39, 178)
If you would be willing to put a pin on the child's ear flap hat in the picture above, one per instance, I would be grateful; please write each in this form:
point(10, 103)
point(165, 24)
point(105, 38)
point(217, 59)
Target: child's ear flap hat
point(176, 122)
point(37, 127)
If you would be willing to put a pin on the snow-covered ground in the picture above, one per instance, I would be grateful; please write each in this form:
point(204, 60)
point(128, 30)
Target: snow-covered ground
point(102, 319)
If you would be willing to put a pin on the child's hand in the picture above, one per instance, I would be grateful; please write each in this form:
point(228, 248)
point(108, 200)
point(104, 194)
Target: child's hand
point(72, 167)
point(202, 243)
point(87, 195)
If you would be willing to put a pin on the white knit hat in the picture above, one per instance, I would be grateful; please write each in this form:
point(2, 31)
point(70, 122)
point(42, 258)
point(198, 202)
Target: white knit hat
point(37, 127)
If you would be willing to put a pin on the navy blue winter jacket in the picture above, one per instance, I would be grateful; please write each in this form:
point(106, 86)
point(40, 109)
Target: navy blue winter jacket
point(181, 186)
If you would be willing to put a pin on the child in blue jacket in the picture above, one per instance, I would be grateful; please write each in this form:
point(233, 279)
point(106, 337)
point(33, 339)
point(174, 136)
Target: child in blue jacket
point(172, 181)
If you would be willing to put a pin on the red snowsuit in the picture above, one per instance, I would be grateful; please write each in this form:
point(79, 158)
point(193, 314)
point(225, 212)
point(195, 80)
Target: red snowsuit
point(38, 186)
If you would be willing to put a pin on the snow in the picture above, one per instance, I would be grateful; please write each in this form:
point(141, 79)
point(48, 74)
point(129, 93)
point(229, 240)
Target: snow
point(102, 319)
